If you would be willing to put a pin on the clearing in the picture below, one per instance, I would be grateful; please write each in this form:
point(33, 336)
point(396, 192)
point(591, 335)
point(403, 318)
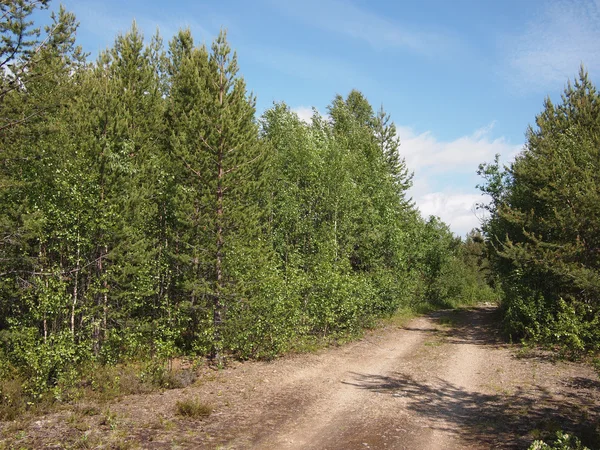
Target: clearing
point(442, 381)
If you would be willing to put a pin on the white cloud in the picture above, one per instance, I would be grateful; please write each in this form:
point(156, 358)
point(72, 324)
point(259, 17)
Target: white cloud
point(304, 113)
point(345, 18)
point(445, 173)
point(552, 46)
point(456, 209)
point(425, 151)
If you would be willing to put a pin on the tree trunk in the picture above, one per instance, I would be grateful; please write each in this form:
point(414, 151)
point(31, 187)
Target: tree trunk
point(75, 287)
point(217, 355)
point(218, 306)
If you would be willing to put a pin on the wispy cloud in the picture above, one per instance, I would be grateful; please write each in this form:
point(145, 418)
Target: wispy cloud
point(445, 173)
point(105, 22)
point(550, 49)
point(343, 17)
point(425, 151)
point(308, 66)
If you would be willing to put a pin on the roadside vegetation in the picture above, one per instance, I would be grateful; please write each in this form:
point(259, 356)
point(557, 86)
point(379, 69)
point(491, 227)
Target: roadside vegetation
point(543, 233)
point(149, 215)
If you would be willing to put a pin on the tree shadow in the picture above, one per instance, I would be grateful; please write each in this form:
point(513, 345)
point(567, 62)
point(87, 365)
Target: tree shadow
point(475, 325)
point(506, 421)
point(582, 383)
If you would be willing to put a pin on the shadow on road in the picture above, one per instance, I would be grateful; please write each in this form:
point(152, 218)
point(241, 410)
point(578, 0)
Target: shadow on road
point(477, 325)
point(505, 421)
point(499, 421)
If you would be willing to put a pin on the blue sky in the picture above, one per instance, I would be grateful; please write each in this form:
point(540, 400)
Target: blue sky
point(462, 79)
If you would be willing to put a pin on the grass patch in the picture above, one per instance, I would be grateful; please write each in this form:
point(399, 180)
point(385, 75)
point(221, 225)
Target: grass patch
point(104, 383)
point(448, 321)
point(313, 343)
point(109, 419)
point(95, 384)
point(193, 408)
point(401, 317)
point(87, 410)
point(12, 399)
point(596, 364)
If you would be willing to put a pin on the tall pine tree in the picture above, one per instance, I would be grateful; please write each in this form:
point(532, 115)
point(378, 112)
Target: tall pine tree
point(215, 139)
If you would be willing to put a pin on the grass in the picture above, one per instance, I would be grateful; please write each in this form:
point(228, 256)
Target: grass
point(401, 317)
point(12, 399)
point(193, 408)
point(109, 419)
point(448, 321)
point(596, 364)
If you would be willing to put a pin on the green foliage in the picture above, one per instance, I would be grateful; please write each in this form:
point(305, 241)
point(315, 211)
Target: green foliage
point(564, 441)
point(453, 272)
point(543, 228)
point(42, 364)
point(148, 214)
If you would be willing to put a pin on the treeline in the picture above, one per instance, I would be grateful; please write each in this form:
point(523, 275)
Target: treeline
point(148, 213)
point(544, 228)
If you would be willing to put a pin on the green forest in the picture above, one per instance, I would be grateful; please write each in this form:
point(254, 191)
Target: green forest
point(148, 212)
point(544, 226)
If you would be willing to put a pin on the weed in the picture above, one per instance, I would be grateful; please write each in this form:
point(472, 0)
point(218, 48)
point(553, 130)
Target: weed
point(193, 408)
point(20, 435)
point(119, 441)
point(109, 419)
point(86, 441)
point(525, 351)
point(448, 321)
point(562, 441)
point(87, 410)
point(12, 399)
point(77, 421)
point(596, 364)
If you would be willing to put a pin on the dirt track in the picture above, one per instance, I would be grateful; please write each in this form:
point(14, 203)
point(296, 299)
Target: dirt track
point(445, 381)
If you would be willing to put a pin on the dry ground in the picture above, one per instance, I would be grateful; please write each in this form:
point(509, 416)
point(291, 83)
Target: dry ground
point(443, 381)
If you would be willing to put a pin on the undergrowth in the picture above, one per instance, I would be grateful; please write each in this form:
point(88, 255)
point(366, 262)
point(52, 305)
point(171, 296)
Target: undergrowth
point(563, 441)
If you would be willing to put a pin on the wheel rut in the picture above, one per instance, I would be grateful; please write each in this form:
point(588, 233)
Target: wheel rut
point(443, 381)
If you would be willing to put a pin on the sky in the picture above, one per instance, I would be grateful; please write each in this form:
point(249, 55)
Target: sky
point(461, 79)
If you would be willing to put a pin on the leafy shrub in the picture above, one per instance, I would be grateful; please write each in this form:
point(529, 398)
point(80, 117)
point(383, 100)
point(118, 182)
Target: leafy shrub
point(44, 364)
point(558, 322)
point(563, 441)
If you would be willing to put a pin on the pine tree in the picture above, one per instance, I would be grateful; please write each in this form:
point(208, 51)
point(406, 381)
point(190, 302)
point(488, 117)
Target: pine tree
point(544, 223)
point(389, 143)
point(215, 138)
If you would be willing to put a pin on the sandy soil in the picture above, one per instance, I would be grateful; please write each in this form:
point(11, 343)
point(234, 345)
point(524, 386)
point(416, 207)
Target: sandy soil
point(444, 381)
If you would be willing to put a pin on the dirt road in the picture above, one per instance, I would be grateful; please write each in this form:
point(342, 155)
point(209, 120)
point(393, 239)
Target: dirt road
point(445, 381)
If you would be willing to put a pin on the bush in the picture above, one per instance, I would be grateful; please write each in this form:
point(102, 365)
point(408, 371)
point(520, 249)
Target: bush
point(563, 441)
point(550, 321)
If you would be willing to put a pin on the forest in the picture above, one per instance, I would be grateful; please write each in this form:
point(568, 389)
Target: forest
point(543, 230)
point(148, 212)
